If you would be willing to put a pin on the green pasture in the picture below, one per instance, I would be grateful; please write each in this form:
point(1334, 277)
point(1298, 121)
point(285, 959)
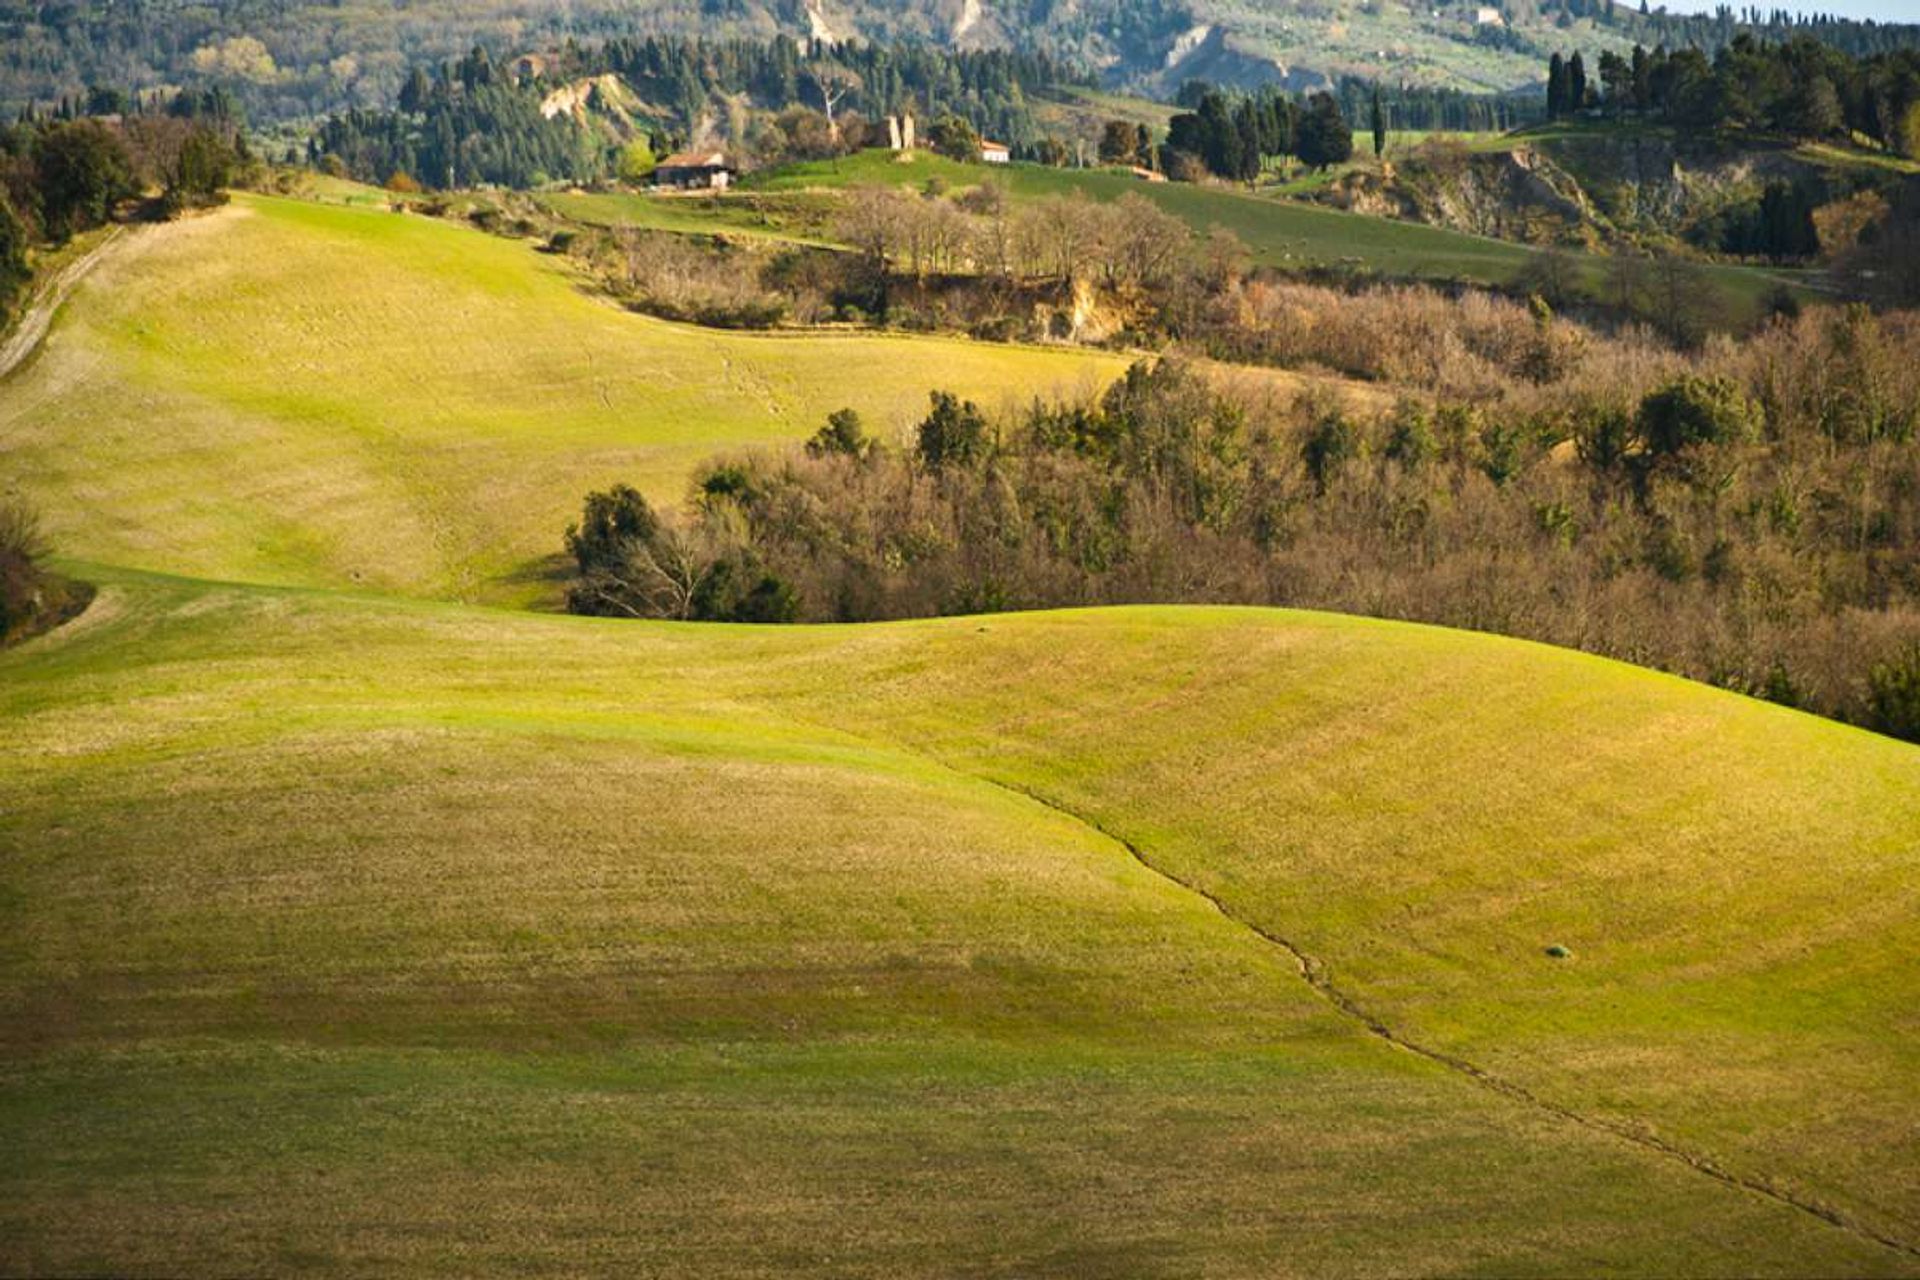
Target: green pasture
point(349, 926)
point(794, 219)
point(302, 394)
point(348, 934)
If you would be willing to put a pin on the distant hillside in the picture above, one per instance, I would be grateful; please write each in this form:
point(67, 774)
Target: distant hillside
point(300, 58)
point(1596, 184)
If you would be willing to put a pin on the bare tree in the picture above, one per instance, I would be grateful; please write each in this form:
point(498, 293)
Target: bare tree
point(657, 577)
point(833, 82)
point(1628, 283)
point(871, 221)
point(1140, 242)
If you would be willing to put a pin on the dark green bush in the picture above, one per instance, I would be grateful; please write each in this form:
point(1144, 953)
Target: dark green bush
point(1893, 696)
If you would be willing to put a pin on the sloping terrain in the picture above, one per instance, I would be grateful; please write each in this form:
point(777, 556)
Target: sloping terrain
point(1158, 44)
point(1277, 232)
point(315, 395)
point(1599, 182)
point(345, 934)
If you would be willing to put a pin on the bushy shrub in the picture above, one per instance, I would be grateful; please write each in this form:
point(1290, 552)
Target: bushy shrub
point(843, 436)
point(1694, 411)
point(20, 577)
point(954, 434)
point(1332, 442)
point(1894, 695)
point(85, 171)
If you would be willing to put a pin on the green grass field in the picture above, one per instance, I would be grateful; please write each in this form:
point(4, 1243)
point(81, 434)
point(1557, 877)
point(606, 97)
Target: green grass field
point(313, 395)
point(1277, 232)
point(347, 929)
point(790, 219)
point(346, 934)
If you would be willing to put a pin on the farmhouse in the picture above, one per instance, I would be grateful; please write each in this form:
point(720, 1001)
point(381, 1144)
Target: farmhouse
point(995, 152)
point(694, 170)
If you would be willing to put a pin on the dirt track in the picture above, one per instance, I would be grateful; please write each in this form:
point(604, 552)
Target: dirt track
point(47, 301)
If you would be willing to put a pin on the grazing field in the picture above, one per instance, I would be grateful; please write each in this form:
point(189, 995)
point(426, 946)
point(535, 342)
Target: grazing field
point(1277, 232)
point(350, 927)
point(346, 934)
point(792, 219)
point(314, 395)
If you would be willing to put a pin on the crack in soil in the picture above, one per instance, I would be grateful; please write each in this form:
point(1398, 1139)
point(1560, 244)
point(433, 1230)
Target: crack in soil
point(1314, 972)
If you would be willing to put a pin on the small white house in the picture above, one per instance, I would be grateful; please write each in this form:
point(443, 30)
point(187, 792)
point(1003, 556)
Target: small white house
point(1488, 16)
point(995, 152)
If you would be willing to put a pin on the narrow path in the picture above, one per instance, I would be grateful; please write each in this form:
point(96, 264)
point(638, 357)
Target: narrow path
point(46, 302)
point(1314, 972)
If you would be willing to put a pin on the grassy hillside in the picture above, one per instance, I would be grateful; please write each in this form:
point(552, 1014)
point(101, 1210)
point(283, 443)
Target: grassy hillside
point(1278, 232)
point(303, 394)
point(345, 934)
point(793, 219)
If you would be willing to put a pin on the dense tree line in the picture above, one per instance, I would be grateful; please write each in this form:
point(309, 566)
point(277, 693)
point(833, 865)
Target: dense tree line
point(1653, 24)
point(301, 59)
point(290, 60)
point(974, 260)
point(1728, 23)
point(1237, 136)
point(476, 121)
point(1800, 88)
point(469, 123)
point(988, 89)
point(1435, 110)
point(72, 171)
point(1751, 519)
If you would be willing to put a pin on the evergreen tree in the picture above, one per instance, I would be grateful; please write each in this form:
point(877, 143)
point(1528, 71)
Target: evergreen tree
point(1119, 143)
point(416, 92)
point(1324, 137)
point(1379, 126)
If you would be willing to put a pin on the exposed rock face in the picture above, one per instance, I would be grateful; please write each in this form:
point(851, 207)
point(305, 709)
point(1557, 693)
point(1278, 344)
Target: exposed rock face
point(818, 28)
point(1594, 189)
point(1519, 194)
point(574, 99)
point(1672, 182)
point(1213, 54)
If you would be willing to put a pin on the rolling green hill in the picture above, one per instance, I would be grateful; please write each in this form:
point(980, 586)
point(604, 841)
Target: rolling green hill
point(316, 395)
point(354, 930)
point(349, 934)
